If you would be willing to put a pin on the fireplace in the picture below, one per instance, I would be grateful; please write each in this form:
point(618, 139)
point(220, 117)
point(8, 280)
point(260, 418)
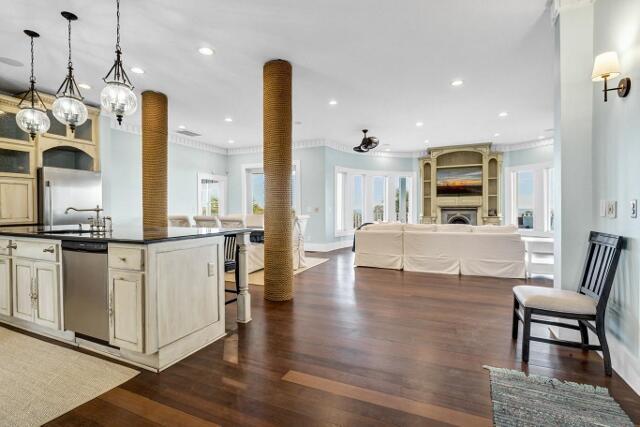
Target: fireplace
point(459, 216)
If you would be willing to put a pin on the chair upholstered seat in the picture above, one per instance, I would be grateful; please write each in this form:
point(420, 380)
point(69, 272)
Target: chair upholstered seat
point(555, 300)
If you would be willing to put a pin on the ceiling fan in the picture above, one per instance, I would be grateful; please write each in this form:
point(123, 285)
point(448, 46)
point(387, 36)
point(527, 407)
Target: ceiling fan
point(368, 143)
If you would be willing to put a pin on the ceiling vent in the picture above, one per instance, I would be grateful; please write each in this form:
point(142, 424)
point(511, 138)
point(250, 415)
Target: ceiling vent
point(189, 133)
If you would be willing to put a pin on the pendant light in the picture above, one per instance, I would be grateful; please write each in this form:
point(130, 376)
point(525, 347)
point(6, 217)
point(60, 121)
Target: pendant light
point(68, 107)
point(117, 97)
point(32, 117)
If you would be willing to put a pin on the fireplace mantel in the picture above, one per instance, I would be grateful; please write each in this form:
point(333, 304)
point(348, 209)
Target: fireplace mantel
point(488, 202)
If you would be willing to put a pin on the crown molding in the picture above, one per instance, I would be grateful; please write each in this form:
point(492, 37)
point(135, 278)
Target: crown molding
point(173, 138)
point(523, 145)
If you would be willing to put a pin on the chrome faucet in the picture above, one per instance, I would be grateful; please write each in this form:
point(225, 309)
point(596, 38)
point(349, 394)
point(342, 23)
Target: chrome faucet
point(97, 224)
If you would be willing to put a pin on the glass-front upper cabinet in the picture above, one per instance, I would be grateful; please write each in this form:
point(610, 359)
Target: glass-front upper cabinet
point(9, 130)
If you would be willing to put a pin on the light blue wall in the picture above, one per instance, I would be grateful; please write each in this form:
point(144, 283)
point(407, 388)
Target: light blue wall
point(312, 187)
point(184, 165)
point(616, 159)
point(528, 156)
point(121, 164)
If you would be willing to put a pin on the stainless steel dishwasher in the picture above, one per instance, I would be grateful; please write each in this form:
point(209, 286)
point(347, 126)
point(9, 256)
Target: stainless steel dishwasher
point(85, 289)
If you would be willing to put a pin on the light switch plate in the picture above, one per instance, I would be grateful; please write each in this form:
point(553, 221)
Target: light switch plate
point(212, 269)
point(603, 208)
point(612, 209)
point(634, 208)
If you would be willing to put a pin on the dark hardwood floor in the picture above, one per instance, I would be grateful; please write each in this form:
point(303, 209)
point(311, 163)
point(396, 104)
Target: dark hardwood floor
point(355, 347)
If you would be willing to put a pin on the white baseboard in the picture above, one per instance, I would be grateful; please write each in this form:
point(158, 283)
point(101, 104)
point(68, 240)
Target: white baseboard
point(624, 363)
point(327, 247)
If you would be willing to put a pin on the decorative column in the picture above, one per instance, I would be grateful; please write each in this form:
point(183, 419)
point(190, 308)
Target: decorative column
point(278, 247)
point(154, 159)
point(244, 298)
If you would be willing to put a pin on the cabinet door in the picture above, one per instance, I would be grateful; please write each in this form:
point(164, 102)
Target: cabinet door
point(5, 286)
point(22, 289)
point(45, 284)
point(16, 200)
point(125, 310)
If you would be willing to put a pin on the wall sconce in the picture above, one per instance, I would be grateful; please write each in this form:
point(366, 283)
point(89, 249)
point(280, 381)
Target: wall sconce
point(605, 67)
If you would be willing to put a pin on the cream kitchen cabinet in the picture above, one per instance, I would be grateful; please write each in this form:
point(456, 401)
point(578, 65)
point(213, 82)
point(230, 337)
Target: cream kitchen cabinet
point(126, 327)
point(5, 286)
point(17, 201)
point(36, 296)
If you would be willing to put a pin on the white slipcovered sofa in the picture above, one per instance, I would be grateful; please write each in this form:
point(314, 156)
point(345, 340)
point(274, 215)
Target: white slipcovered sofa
point(489, 250)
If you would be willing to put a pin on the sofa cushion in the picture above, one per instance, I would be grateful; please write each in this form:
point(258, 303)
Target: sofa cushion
point(420, 227)
point(454, 228)
point(384, 226)
point(495, 229)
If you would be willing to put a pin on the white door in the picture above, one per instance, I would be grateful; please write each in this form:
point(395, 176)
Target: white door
point(125, 310)
point(22, 289)
point(46, 294)
point(5, 286)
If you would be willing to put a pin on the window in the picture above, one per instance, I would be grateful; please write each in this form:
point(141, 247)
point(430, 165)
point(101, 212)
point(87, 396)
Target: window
point(253, 188)
point(367, 196)
point(549, 199)
point(529, 197)
point(379, 198)
point(402, 199)
point(211, 194)
point(357, 201)
point(524, 199)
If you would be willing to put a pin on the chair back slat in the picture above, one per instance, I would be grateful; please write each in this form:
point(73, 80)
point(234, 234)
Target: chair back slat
point(600, 266)
point(230, 247)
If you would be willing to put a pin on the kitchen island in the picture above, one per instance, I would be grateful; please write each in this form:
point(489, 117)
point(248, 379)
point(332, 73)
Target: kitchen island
point(148, 296)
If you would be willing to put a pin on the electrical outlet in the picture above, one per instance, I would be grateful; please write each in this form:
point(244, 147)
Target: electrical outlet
point(212, 269)
point(634, 208)
point(612, 209)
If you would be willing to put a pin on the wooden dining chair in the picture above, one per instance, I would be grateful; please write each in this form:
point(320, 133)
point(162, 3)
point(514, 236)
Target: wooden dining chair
point(587, 305)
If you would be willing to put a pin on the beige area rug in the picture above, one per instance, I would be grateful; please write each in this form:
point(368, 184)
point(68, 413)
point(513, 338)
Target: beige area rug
point(40, 381)
point(257, 277)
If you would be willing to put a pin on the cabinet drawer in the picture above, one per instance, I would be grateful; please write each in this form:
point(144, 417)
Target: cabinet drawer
point(126, 258)
point(4, 247)
point(45, 251)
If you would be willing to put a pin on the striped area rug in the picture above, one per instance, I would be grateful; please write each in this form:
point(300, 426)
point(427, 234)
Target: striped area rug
point(535, 400)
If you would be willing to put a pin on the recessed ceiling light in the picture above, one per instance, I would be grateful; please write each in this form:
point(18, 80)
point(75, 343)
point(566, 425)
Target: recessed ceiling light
point(457, 83)
point(231, 141)
point(206, 51)
point(495, 135)
point(137, 70)
point(228, 119)
point(503, 114)
point(333, 102)
point(541, 137)
point(84, 86)
point(387, 149)
point(419, 124)
point(182, 127)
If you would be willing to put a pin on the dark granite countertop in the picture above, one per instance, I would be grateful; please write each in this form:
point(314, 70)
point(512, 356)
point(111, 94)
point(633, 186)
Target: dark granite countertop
point(126, 234)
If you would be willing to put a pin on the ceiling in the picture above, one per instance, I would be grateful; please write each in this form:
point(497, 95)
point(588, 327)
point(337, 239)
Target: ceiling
point(388, 64)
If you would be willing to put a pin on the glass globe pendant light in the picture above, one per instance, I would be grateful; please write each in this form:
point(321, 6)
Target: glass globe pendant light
point(117, 97)
point(32, 117)
point(68, 107)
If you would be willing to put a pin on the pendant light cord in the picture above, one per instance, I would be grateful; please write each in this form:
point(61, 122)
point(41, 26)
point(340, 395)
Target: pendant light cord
point(33, 77)
point(118, 25)
point(69, 40)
